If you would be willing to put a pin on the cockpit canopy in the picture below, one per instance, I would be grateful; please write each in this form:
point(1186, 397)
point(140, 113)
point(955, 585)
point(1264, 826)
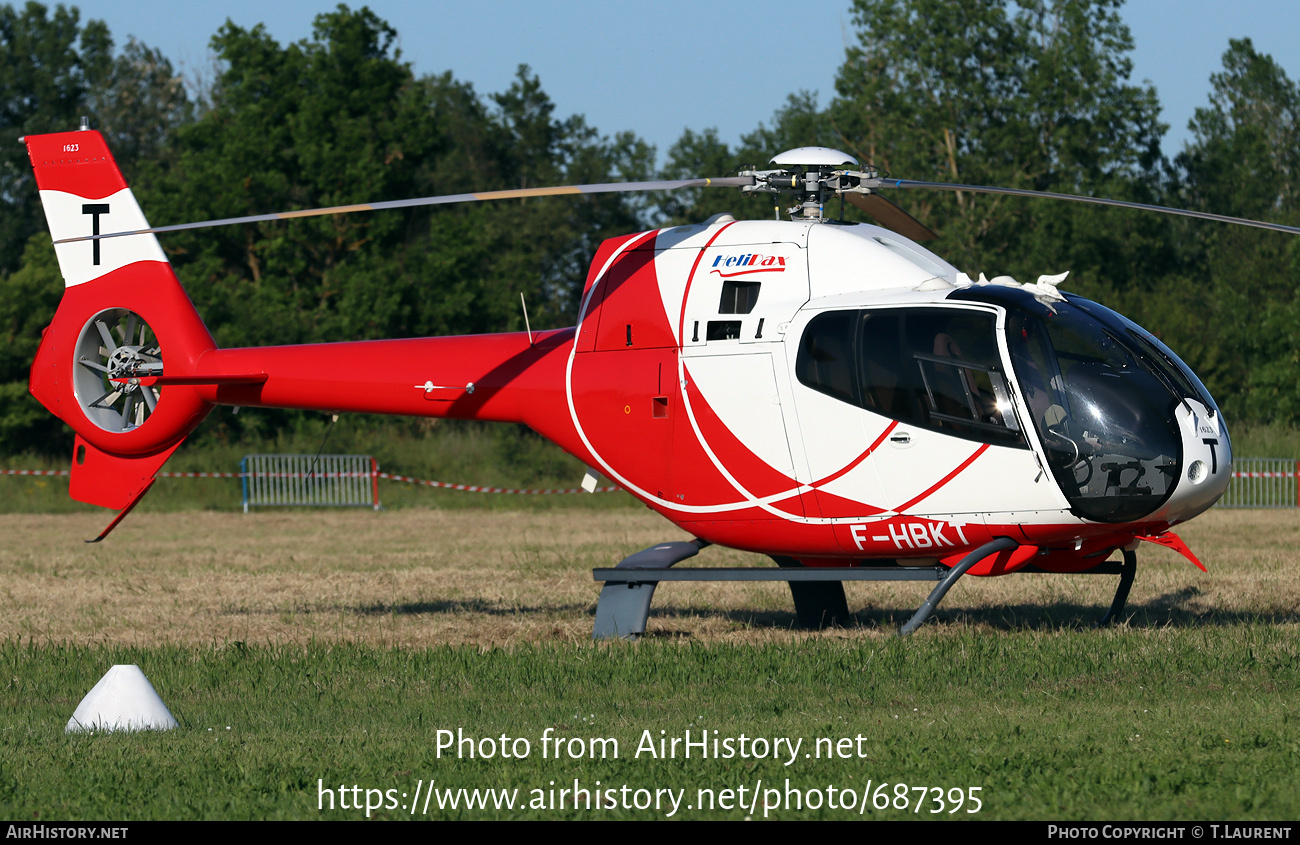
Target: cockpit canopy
point(1099, 391)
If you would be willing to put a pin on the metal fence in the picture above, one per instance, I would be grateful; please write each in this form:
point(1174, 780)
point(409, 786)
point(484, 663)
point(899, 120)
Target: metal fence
point(1262, 483)
point(320, 481)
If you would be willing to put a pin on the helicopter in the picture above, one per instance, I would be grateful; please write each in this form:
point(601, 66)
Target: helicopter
point(833, 395)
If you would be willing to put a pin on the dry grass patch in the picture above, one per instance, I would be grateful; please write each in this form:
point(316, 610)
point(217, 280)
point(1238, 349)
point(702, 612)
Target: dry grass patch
point(419, 577)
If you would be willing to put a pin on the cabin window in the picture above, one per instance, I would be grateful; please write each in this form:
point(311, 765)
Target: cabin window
point(826, 356)
point(937, 368)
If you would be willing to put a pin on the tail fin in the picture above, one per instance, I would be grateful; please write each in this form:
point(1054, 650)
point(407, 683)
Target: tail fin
point(123, 317)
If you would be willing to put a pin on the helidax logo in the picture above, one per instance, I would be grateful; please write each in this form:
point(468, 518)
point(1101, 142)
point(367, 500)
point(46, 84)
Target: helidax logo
point(729, 266)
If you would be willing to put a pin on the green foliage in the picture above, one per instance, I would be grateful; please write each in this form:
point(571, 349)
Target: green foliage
point(340, 119)
point(48, 66)
point(28, 297)
point(137, 105)
point(1272, 441)
point(799, 123)
point(330, 121)
point(1033, 96)
point(335, 119)
point(1244, 160)
point(53, 71)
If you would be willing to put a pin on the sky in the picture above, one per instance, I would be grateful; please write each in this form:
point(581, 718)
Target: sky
point(659, 68)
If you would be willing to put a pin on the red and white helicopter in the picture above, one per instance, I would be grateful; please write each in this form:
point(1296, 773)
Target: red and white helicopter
point(833, 395)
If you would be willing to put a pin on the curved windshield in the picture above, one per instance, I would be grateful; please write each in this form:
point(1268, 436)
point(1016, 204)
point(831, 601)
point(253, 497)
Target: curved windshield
point(1177, 374)
point(1102, 400)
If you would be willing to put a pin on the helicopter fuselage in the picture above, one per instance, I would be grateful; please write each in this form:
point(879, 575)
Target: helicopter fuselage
point(829, 392)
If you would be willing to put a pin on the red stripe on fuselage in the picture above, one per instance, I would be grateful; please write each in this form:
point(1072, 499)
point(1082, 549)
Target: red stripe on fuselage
point(748, 271)
point(949, 477)
point(686, 292)
point(840, 507)
point(386, 376)
point(753, 473)
point(859, 459)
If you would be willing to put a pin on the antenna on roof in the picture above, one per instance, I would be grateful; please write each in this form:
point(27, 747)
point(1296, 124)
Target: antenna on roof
point(526, 325)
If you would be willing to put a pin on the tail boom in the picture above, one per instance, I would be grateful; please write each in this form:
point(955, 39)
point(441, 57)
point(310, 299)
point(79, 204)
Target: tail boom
point(498, 378)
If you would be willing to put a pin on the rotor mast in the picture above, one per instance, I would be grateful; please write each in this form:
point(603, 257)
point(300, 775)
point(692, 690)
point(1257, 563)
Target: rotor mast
point(812, 174)
point(816, 174)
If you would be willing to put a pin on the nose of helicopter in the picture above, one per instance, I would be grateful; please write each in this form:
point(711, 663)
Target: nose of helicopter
point(1206, 466)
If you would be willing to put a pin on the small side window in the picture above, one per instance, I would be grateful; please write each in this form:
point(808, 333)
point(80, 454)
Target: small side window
point(723, 330)
point(738, 297)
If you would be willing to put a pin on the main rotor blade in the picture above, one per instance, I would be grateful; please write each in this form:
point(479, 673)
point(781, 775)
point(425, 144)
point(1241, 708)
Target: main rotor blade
point(1020, 192)
point(889, 215)
point(446, 199)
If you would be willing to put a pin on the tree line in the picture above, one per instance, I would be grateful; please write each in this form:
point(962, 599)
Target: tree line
point(1035, 95)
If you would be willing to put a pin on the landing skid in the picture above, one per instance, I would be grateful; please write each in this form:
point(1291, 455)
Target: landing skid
point(819, 601)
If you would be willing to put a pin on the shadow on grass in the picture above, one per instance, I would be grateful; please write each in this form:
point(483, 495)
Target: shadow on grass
point(483, 606)
point(1171, 610)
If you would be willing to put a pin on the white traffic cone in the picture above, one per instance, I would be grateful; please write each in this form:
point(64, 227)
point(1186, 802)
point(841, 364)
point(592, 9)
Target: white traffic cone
point(123, 700)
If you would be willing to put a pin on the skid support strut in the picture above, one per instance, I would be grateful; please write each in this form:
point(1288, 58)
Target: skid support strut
point(937, 594)
point(1127, 571)
point(623, 607)
point(817, 604)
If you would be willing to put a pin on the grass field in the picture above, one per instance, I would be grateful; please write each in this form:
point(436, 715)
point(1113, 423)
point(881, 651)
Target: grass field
point(303, 651)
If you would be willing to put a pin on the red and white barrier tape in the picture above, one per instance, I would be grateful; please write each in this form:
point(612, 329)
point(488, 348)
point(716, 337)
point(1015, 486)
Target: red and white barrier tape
point(466, 488)
point(472, 488)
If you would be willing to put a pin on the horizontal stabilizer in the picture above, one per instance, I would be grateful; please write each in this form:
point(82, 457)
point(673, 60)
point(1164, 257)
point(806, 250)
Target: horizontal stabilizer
point(150, 381)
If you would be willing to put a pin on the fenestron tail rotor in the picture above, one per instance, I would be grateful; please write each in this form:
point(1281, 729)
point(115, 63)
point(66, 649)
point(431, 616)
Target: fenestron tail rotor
point(115, 351)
